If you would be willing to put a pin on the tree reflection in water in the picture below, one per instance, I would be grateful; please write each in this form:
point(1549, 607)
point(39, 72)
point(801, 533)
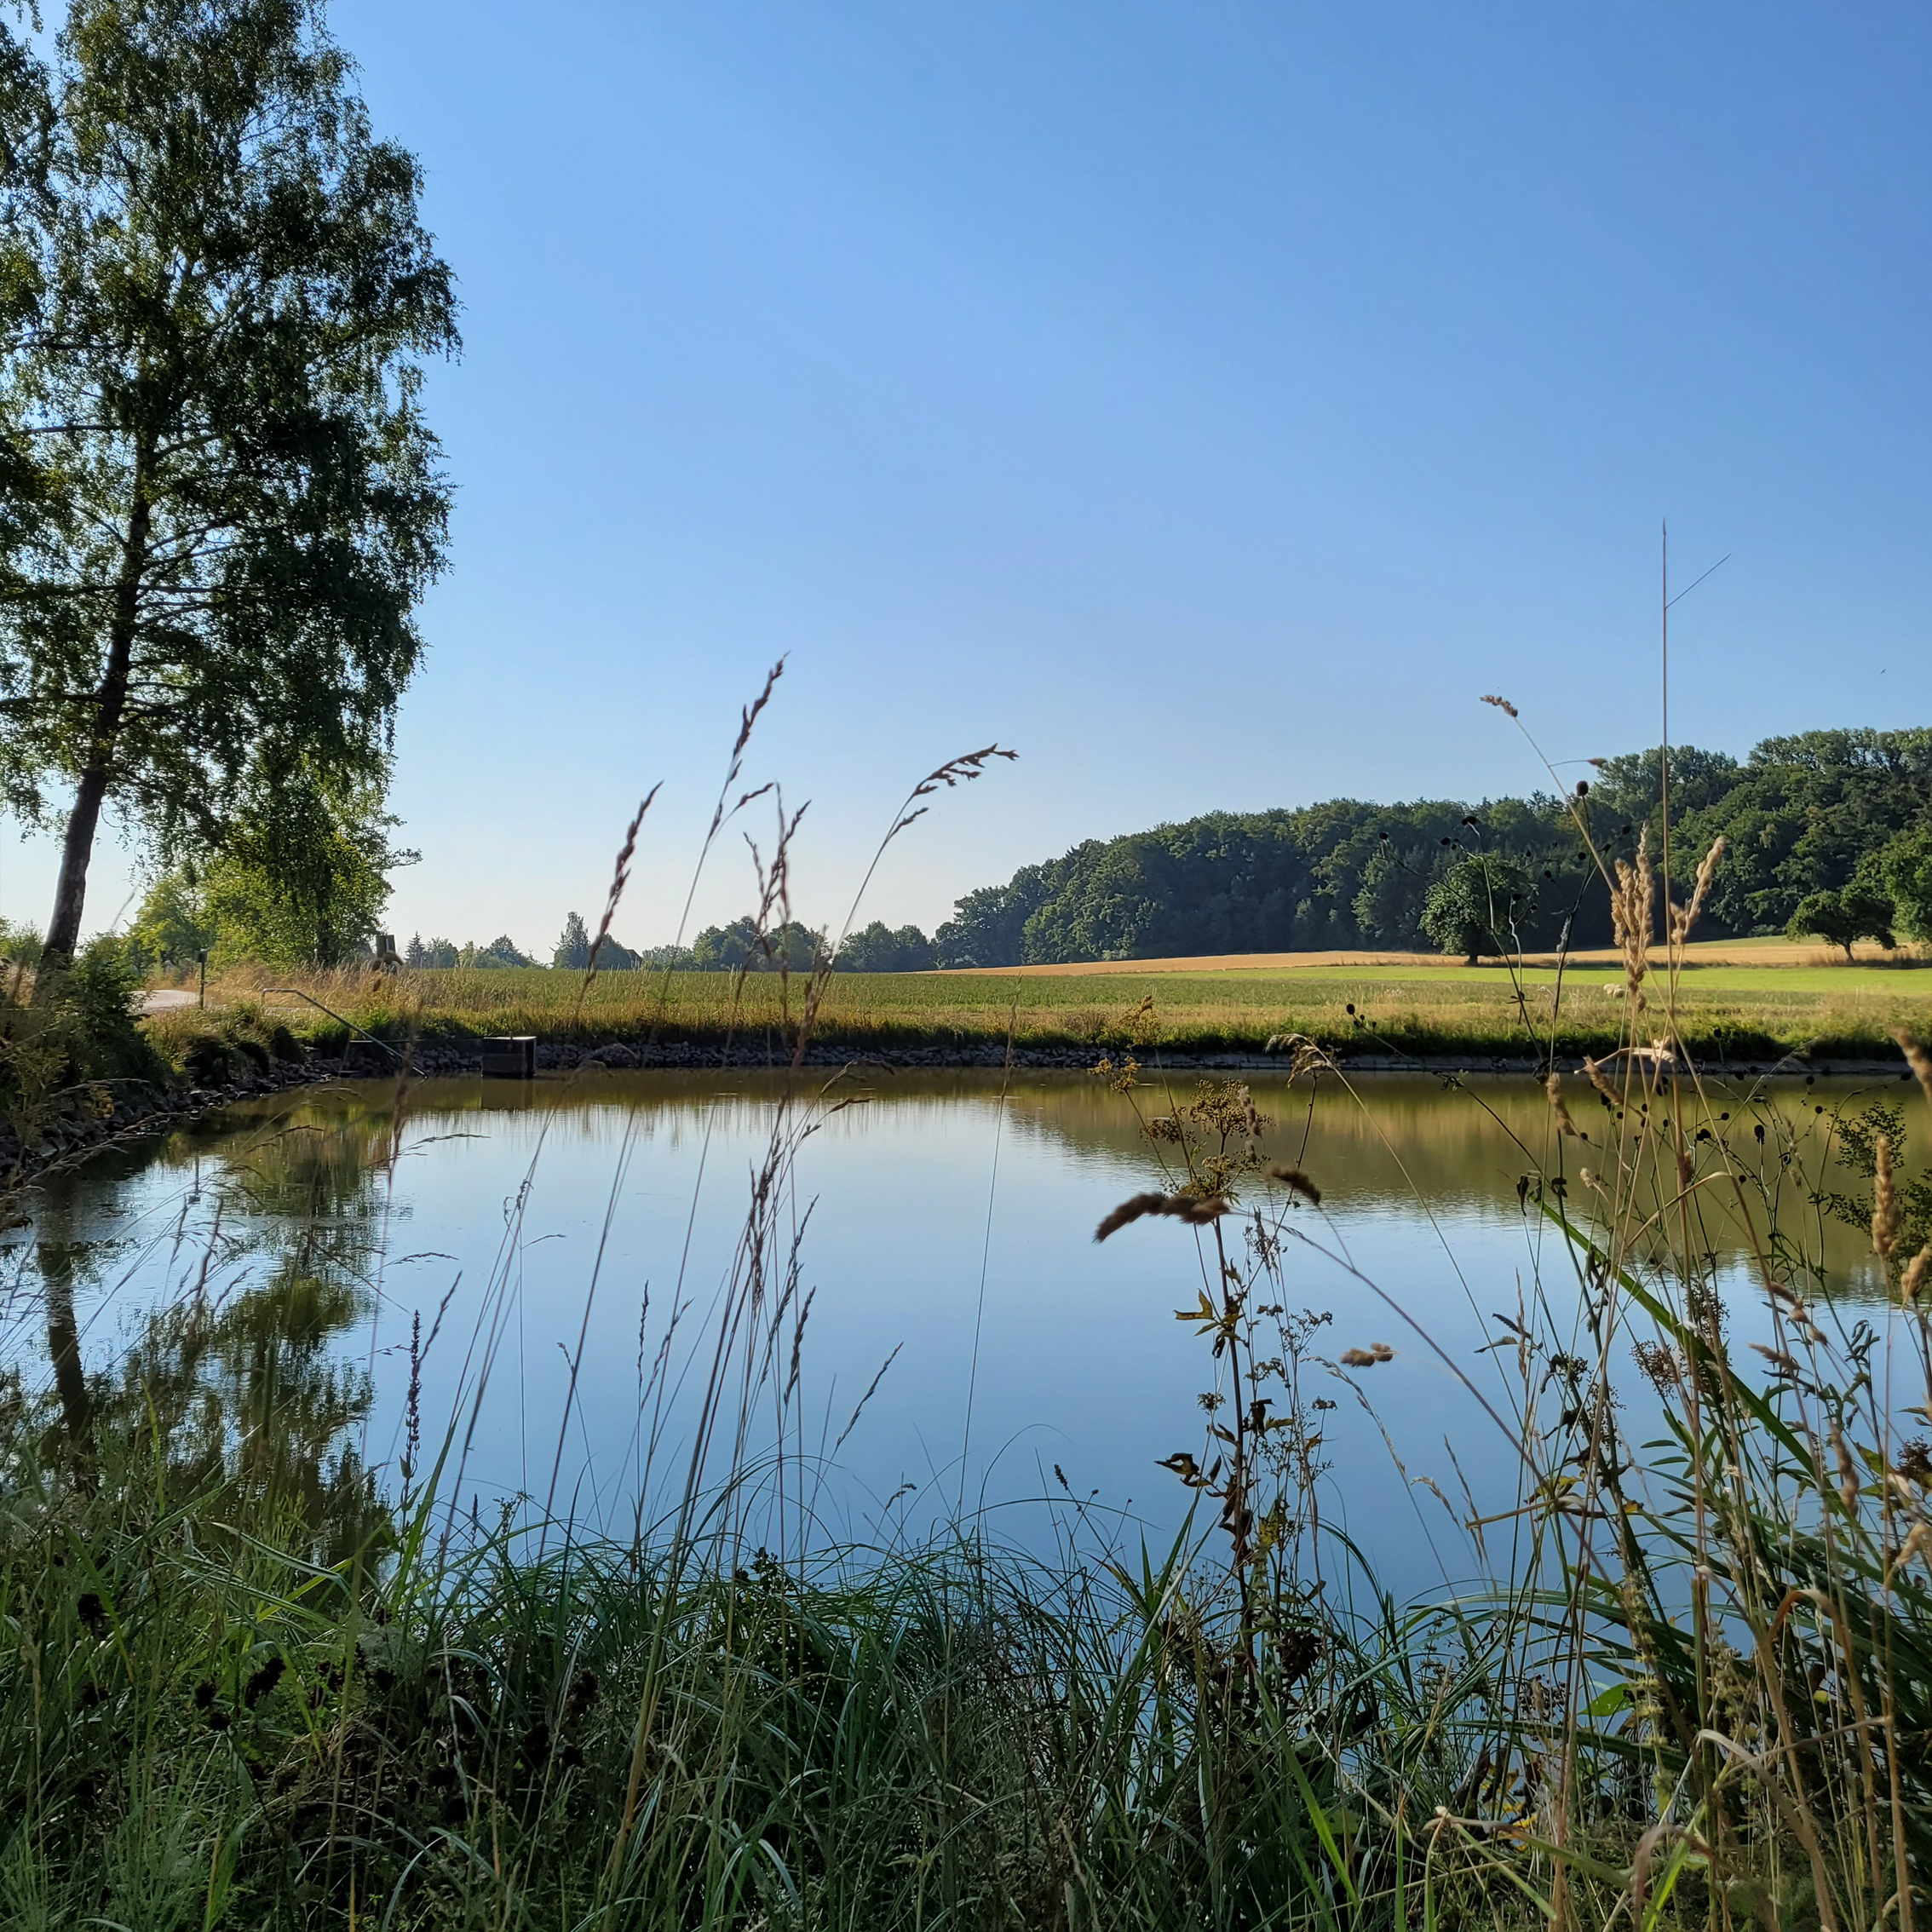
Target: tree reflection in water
point(234, 1385)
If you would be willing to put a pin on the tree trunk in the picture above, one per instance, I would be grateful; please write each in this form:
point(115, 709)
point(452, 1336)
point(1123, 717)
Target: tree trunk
point(77, 850)
point(70, 1375)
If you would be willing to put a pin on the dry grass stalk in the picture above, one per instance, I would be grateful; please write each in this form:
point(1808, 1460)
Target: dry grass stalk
point(1916, 1058)
point(620, 877)
point(1684, 918)
point(1915, 1273)
point(1594, 1070)
point(1553, 1086)
point(1294, 1179)
point(1197, 1211)
point(1369, 1357)
point(1632, 915)
point(1884, 1203)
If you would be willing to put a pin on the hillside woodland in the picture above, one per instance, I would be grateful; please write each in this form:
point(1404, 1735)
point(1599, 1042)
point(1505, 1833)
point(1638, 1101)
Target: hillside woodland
point(1846, 814)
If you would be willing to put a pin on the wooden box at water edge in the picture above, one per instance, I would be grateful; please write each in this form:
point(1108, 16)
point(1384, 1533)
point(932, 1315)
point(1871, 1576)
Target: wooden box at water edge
point(514, 1056)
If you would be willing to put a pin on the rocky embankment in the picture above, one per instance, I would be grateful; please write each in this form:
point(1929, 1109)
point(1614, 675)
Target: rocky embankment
point(83, 1121)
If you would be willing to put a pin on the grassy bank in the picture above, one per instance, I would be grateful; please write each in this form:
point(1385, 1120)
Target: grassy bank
point(1724, 1012)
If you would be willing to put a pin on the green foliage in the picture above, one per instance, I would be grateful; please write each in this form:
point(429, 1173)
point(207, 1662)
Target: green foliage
point(879, 949)
point(79, 1034)
point(1806, 814)
point(304, 888)
point(500, 952)
point(211, 1046)
point(1342, 874)
point(572, 950)
point(1904, 872)
point(1803, 814)
point(1480, 906)
point(1844, 916)
point(741, 946)
point(171, 926)
point(302, 878)
point(421, 952)
point(223, 500)
point(20, 945)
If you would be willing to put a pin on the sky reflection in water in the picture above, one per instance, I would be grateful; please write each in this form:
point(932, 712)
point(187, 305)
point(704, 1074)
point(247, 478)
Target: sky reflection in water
point(913, 1199)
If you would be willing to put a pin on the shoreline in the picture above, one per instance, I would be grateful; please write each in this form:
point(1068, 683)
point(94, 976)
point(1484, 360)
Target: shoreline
point(71, 1136)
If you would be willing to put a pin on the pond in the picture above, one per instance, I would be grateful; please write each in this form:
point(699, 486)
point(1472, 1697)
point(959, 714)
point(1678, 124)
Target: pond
point(546, 1261)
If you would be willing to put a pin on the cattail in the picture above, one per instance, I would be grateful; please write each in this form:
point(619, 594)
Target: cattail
point(1193, 1208)
point(1502, 704)
point(1294, 1179)
point(1916, 1058)
point(1885, 1203)
point(1915, 1273)
point(1553, 1086)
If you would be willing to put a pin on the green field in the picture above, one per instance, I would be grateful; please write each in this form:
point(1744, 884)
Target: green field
point(1730, 1011)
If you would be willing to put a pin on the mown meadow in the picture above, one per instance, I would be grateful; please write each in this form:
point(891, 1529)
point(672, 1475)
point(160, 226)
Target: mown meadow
point(1723, 1013)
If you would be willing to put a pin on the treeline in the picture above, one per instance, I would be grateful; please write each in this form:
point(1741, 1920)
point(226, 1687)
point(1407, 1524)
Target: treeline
point(1834, 824)
point(1827, 833)
point(792, 947)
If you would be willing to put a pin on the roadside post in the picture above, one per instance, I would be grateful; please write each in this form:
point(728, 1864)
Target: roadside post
point(201, 959)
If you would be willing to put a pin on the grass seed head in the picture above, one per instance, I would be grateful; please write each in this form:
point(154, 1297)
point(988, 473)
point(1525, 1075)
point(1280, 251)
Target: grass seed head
point(1194, 1210)
point(1916, 1058)
point(1915, 1273)
point(1293, 1179)
point(1884, 1202)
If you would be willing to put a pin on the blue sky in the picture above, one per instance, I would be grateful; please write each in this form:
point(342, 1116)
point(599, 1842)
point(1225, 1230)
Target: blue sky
point(1210, 401)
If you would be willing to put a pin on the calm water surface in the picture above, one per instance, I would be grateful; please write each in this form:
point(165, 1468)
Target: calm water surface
point(947, 1238)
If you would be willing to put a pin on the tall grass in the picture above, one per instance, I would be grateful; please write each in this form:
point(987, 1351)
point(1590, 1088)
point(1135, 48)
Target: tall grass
point(249, 1684)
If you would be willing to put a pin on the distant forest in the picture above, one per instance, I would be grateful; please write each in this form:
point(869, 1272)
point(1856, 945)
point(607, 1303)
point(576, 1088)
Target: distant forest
point(1817, 814)
point(1827, 833)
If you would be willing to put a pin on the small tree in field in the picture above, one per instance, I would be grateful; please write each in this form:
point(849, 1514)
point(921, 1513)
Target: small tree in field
point(219, 501)
point(1843, 917)
point(1474, 907)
